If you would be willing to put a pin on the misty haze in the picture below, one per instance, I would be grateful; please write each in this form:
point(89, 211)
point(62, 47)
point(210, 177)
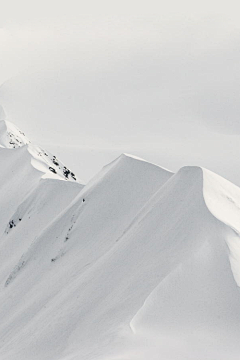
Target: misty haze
point(119, 183)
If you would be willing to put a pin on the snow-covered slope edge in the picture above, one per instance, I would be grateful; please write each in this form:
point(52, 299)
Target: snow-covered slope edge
point(101, 213)
point(37, 210)
point(193, 311)
point(62, 253)
point(223, 201)
point(138, 246)
point(13, 138)
point(31, 195)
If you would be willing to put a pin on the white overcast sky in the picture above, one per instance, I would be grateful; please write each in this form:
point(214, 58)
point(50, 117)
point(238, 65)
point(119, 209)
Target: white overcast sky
point(91, 79)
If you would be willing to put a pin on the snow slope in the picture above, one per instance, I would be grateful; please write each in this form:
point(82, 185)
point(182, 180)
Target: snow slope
point(23, 165)
point(193, 312)
point(140, 263)
point(30, 199)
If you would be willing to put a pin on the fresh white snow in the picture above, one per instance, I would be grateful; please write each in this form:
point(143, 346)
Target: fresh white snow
point(138, 264)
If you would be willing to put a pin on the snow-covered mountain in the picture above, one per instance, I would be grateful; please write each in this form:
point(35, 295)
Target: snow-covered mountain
point(31, 195)
point(138, 264)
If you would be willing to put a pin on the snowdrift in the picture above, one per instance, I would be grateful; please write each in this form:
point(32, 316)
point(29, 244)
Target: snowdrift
point(139, 263)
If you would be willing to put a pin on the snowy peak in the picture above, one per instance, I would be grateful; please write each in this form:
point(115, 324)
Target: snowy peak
point(130, 157)
point(11, 137)
point(132, 166)
point(130, 266)
point(127, 251)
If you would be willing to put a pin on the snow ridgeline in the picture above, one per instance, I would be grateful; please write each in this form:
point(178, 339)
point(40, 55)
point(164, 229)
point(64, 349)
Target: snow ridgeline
point(13, 138)
point(140, 263)
point(31, 196)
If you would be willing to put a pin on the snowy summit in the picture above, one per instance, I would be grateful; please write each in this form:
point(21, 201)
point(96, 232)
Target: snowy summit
point(140, 263)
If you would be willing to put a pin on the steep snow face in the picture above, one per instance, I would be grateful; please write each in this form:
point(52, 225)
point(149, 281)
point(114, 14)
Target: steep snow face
point(29, 201)
point(195, 308)
point(38, 209)
point(71, 245)
point(18, 178)
point(106, 207)
point(140, 263)
point(136, 267)
point(223, 200)
point(99, 216)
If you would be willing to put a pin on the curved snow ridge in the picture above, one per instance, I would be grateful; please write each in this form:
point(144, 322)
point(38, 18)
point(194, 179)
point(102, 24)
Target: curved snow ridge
point(222, 199)
point(113, 197)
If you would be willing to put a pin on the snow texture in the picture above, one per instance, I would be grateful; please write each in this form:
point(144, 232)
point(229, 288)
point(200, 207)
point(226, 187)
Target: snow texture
point(139, 263)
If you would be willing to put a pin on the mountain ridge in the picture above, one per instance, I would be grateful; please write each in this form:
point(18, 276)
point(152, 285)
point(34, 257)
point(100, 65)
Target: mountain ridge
point(136, 263)
point(13, 138)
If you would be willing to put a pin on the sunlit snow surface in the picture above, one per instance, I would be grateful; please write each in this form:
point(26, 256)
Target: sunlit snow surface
point(138, 264)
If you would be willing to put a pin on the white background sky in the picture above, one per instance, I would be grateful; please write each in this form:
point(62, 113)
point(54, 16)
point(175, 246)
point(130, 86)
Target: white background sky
point(161, 80)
